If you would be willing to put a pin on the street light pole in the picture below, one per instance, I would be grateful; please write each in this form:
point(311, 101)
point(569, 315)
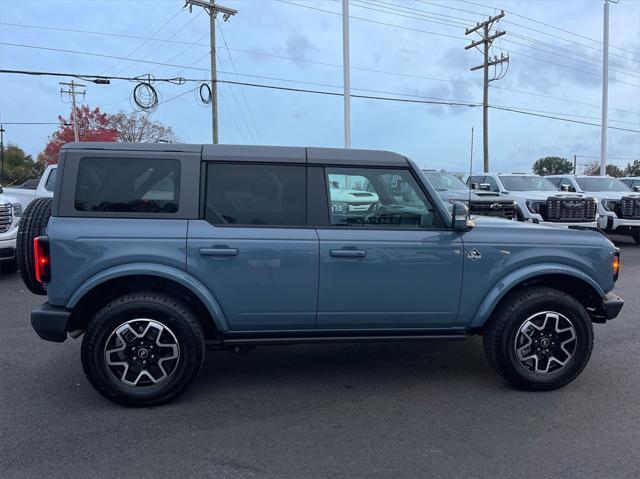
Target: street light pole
point(2, 154)
point(605, 88)
point(346, 73)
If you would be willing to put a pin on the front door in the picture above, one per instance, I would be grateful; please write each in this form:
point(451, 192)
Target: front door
point(390, 265)
point(253, 250)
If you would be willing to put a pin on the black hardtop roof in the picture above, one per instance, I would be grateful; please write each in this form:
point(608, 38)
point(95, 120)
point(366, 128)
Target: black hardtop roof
point(286, 154)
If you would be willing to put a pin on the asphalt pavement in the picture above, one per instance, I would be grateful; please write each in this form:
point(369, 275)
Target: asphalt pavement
point(364, 410)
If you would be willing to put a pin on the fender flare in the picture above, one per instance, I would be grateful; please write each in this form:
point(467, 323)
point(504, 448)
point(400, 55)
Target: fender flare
point(162, 271)
point(514, 278)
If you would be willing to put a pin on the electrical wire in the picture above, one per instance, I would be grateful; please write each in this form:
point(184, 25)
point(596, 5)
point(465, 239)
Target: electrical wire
point(435, 100)
point(335, 65)
point(244, 97)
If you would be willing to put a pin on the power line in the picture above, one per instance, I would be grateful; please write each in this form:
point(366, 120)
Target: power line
point(244, 97)
point(551, 26)
point(283, 57)
point(147, 40)
point(380, 98)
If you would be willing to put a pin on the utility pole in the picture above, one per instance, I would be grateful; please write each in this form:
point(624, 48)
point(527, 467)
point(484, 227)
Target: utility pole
point(72, 92)
point(2, 155)
point(575, 163)
point(346, 73)
point(605, 88)
point(212, 9)
point(486, 41)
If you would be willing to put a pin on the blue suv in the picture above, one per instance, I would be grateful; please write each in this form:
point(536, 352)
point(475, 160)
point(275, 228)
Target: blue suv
point(155, 253)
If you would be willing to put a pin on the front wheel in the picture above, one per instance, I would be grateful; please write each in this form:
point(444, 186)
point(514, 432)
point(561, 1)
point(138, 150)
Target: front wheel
point(539, 339)
point(143, 349)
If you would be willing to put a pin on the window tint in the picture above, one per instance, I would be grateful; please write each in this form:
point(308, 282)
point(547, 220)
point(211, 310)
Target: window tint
point(51, 181)
point(527, 183)
point(261, 195)
point(555, 181)
point(602, 184)
point(126, 185)
point(378, 198)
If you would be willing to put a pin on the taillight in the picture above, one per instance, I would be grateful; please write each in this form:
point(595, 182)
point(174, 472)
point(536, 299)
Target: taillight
point(616, 265)
point(42, 259)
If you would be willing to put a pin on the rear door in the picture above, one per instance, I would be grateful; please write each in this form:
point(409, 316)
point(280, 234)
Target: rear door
point(252, 247)
point(391, 266)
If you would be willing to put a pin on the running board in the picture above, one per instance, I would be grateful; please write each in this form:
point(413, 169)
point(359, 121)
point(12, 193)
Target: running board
point(232, 342)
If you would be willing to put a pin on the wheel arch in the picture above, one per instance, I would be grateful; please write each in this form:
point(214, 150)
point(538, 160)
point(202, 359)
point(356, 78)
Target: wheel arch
point(113, 282)
point(563, 278)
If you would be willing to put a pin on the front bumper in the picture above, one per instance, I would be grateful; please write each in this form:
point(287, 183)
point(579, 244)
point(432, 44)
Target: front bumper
point(609, 308)
point(50, 322)
point(612, 223)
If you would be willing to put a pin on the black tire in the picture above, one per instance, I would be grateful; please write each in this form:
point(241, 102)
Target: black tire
point(636, 236)
point(33, 223)
point(503, 330)
point(181, 324)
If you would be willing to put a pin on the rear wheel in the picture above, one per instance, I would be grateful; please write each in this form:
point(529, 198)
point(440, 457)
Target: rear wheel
point(143, 349)
point(539, 339)
point(33, 223)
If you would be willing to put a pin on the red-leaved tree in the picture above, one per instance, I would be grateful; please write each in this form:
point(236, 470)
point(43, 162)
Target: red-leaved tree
point(93, 125)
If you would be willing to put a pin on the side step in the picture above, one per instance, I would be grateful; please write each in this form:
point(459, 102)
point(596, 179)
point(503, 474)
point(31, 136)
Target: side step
point(231, 342)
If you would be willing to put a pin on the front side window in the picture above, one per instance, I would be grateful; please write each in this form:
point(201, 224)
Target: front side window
point(128, 185)
point(493, 185)
point(256, 195)
point(442, 180)
point(527, 183)
point(378, 197)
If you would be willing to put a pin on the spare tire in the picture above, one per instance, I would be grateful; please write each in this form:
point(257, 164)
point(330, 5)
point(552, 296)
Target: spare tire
point(32, 224)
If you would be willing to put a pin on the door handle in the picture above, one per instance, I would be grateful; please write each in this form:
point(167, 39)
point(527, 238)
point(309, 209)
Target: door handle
point(219, 251)
point(348, 253)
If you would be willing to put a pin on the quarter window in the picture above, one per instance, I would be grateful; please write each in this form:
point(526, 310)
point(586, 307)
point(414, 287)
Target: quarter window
point(378, 198)
point(50, 185)
point(127, 185)
point(256, 195)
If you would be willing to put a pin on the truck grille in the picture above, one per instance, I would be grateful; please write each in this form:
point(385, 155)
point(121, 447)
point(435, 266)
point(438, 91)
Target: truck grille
point(569, 210)
point(629, 208)
point(501, 209)
point(5, 217)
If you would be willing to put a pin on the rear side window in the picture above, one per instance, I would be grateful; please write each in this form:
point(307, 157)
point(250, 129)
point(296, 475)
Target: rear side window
point(127, 185)
point(256, 195)
point(50, 185)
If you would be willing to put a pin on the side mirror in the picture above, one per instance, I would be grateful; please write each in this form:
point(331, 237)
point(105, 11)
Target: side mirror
point(635, 188)
point(460, 217)
point(1, 190)
point(485, 186)
point(474, 186)
point(565, 187)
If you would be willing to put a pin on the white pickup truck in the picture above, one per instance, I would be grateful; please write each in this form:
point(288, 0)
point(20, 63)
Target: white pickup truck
point(13, 201)
point(26, 195)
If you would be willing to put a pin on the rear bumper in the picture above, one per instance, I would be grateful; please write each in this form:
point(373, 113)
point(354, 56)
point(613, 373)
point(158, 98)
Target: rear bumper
point(50, 322)
point(609, 308)
point(7, 247)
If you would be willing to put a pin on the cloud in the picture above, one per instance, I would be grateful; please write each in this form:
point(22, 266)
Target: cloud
point(298, 45)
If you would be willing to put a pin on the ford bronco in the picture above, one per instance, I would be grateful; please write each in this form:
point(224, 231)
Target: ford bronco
point(156, 252)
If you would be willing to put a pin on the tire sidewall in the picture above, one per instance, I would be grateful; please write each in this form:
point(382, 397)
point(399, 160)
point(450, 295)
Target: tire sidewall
point(108, 321)
point(584, 339)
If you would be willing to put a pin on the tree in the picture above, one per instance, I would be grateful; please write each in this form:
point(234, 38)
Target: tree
point(552, 165)
point(136, 127)
point(93, 125)
point(632, 169)
point(593, 169)
point(18, 166)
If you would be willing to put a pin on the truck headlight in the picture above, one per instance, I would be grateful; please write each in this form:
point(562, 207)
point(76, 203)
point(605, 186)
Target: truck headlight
point(339, 207)
point(17, 209)
point(534, 206)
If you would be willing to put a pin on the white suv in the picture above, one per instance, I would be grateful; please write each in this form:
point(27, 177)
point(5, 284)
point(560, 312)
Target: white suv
point(619, 206)
point(10, 210)
point(539, 201)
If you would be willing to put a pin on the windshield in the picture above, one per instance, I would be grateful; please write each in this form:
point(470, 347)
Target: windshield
point(527, 183)
point(601, 184)
point(445, 181)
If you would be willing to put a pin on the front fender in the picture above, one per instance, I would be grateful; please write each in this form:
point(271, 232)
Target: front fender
point(163, 271)
point(516, 277)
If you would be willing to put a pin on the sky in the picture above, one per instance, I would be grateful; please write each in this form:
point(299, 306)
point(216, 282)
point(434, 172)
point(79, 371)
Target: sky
point(409, 49)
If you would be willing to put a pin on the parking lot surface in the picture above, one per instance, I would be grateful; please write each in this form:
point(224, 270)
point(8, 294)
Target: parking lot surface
point(364, 410)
